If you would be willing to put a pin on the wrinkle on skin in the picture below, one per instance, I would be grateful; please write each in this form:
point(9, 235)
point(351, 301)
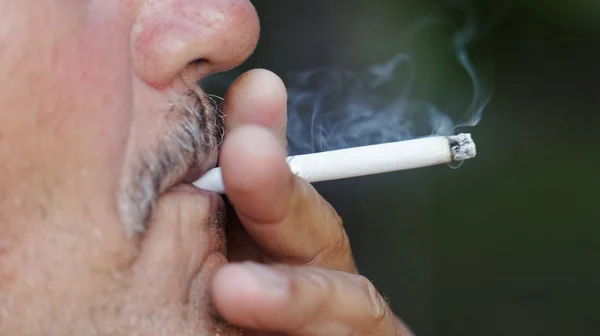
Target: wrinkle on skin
point(82, 122)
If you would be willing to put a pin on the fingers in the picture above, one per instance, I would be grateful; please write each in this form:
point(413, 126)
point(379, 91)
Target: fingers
point(283, 213)
point(257, 97)
point(302, 301)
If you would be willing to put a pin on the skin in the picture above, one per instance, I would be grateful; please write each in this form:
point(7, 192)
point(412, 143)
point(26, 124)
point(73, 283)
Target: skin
point(101, 126)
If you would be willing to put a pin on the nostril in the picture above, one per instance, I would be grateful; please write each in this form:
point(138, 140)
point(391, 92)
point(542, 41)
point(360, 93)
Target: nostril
point(195, 71)
point(201, 63)
point(204, 67)
point(199, 38)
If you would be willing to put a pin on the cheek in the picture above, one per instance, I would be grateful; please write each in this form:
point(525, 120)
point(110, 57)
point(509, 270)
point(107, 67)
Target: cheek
point(92, 82)
point(67, 105)
point(65, 116)
point(93, 89)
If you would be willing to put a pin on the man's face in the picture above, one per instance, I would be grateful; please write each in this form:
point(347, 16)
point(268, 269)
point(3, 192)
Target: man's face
point(100, 123)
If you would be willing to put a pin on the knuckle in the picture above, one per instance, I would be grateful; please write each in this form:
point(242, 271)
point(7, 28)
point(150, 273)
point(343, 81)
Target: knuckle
point(339, 246)
point(323, 285)
point(336, 254)
point(314, 280)
point(314, 289)
point(333, 220)
point(378, 309)
point(333, 216)
point(321, 281)
point(336, 218)
point(336, 224)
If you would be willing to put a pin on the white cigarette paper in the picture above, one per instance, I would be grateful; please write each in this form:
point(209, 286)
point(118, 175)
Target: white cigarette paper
point(367, 160)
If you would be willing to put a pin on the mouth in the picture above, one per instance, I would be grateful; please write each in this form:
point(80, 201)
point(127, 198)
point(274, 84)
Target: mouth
point(195, 172)
point(184, 152)
point(213, 224)
point(203, 127)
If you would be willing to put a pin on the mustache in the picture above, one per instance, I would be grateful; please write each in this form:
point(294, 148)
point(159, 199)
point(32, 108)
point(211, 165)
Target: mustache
point(194, 134)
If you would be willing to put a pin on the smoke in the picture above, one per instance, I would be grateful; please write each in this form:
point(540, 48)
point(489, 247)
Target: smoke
point(335, 108)
point(481, 98)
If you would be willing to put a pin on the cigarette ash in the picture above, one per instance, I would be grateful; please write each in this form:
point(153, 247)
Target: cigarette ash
point(462, 147)
point(335, 108)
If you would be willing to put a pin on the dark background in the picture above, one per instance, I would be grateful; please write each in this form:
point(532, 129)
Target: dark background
point(509, 243)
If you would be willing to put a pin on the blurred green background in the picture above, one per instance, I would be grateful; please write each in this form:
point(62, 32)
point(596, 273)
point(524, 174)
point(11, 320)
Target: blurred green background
point(509, 243)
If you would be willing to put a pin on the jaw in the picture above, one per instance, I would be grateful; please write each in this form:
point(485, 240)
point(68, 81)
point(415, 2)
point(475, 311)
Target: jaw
point(163, 287)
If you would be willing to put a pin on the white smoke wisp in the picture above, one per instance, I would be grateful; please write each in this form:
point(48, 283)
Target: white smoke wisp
point(330, 109)
point(481, 98)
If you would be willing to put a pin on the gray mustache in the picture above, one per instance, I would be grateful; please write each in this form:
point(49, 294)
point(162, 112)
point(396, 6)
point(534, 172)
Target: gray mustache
point(195, 131)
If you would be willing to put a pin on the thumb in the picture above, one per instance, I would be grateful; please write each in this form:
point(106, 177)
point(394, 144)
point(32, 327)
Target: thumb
point(303, 301)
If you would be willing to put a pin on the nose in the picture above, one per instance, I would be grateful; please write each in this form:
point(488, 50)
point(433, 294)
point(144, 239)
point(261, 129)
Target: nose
point(204, 36)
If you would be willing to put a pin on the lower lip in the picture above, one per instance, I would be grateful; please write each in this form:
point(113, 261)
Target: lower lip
point(217, 239)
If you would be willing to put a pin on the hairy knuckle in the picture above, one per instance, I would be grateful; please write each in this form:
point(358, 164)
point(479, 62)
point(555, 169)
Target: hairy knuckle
point(378, 309)
point(336, 254)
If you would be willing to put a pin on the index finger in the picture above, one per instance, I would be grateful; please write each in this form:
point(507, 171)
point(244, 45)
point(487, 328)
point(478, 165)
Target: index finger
point(283, 213)
point(257, 97)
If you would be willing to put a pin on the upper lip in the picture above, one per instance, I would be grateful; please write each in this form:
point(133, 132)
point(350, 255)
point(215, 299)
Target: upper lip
point(194, 172)
point(198, 163)
point(182, 153)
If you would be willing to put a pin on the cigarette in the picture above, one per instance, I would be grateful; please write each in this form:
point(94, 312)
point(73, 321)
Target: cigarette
point(367, 160)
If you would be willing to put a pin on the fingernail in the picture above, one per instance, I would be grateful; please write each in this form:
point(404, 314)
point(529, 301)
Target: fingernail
point(266, 275)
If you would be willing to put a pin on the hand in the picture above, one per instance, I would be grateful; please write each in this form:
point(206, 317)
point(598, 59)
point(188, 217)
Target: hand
point(293, 272)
